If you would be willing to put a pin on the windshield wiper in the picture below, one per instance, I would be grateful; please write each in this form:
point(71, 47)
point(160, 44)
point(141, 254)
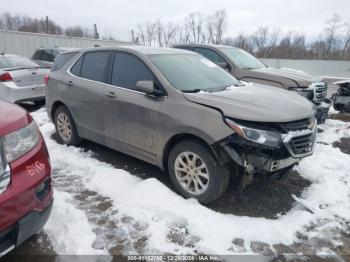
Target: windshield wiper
point(191, 91)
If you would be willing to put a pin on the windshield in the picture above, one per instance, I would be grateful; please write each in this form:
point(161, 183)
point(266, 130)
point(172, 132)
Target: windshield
point(192, 72)
point(16, 61)
point(241, 58)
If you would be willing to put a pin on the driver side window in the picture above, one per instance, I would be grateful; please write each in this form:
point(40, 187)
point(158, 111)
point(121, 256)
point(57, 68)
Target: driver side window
point(210, 54)
point(128, 70)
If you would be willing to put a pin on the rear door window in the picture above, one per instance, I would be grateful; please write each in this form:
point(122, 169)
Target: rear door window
point(128, 70)
point(62, 59)
point(94, 65)
point(210, 54)
point(76, 68)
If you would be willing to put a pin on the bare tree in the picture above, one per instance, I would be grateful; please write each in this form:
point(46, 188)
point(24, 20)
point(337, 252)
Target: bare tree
point(150, 33)
point(220, 23)
point(332, 30)
point(169, 33)
point(182, 34)
point(141, 34)
point(76, 31)
point(194, 22)
point(345, 53)
point(159, 32)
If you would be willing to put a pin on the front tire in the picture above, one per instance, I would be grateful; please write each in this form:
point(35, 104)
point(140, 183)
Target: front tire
point(65, 127)
point(195, 173)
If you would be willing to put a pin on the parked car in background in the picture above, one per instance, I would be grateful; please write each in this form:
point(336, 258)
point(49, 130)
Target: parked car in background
point(21, 79)
point(25, 178)
point(248, 68)
point(179, 111)
point(341, 99)
point(46, 56)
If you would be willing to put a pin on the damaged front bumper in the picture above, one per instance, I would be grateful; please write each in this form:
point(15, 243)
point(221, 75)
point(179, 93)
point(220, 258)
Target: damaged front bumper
point(254, 163)
point(256, 158)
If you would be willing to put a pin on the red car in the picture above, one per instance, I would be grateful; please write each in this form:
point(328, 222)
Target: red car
point(25, 178)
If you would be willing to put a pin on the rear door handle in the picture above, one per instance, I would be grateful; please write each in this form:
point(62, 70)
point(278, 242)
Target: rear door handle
point(111, 95)
point(69, 83)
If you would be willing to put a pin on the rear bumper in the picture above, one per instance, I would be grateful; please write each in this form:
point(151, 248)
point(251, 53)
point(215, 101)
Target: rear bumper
point(23, 229)
point(13, 93)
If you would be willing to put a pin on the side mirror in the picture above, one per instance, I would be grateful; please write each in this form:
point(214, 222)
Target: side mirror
point(146, 87)
point(225, 66)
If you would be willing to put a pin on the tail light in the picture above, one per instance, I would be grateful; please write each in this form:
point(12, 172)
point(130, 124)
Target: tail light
point(46, 79)
point(5, 77)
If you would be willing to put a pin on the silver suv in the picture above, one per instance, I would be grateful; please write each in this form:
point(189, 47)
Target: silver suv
point(178, 110)
point(248, 68)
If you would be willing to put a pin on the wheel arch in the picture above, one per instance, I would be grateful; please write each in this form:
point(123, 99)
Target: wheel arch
point(54, 107)
point(174, 140)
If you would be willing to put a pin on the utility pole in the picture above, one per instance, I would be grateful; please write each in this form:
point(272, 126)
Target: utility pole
point(47, 24)
point(96, 35)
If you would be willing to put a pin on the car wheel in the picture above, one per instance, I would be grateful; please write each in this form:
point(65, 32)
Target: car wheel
point(195, 173)
point(65, 127)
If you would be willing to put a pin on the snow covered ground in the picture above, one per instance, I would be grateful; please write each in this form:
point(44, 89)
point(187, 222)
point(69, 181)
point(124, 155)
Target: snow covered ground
point(99, 209)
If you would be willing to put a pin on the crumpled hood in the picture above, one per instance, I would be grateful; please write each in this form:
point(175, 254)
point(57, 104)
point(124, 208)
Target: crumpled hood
point(255, 102)
point(300, 77)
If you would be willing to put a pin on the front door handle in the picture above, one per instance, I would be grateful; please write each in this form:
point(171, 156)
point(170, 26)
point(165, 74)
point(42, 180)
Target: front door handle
point(69, 83)
point(110, 95)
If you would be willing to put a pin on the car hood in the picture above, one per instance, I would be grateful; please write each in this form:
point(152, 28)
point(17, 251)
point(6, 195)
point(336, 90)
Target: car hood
point(303, 79)
point(255, 102)
point(12, 118)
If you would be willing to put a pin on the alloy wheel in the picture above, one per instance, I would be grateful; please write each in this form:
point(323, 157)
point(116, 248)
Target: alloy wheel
point(192, 173)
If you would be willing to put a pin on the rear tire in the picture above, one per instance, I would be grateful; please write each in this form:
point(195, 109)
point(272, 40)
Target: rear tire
point(195, 173)
point(65, 127)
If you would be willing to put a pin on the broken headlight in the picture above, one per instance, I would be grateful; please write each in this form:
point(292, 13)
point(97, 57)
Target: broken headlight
point(20, 142)
point(264, 137)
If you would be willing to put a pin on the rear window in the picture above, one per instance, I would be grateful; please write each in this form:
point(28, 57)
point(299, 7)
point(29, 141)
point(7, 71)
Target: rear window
point(47, 55)
point(62, 59)
point(37, 55)
point(16, 62)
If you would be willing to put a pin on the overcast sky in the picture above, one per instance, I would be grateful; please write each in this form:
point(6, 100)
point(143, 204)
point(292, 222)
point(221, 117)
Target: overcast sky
point(117, 17)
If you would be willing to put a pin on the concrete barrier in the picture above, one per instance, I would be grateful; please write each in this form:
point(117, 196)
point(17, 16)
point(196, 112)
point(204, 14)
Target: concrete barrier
point(329, 69)
point(24, 44)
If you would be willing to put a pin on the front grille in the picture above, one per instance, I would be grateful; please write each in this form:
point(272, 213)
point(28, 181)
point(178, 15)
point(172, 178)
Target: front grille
point(296, 125)
point(302, 145)
point(320, 92)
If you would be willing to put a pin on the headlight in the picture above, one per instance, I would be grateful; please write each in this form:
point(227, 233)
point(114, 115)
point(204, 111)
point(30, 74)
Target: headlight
point(308, 94)
point(264, 137)
point(20, 142)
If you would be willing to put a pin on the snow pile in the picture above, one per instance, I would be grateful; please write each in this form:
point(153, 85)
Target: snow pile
point(209, 232)
point(68, 228)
